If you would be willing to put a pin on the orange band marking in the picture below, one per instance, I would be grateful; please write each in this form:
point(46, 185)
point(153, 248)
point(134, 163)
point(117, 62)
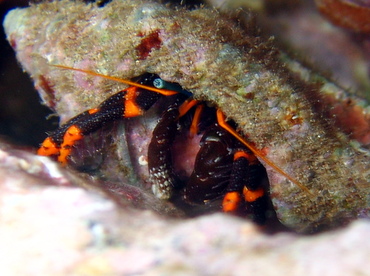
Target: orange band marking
point(64, 153)
point(93, 110)
point(186, 106)
point(131, 107)
point(252, 159)
point(48, 148)
point(251, 196)
point(196, 119)
point(72, 135)
point(231, 201)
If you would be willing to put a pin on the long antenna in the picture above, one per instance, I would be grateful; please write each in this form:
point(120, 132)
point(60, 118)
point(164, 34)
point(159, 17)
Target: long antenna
point(164, 92)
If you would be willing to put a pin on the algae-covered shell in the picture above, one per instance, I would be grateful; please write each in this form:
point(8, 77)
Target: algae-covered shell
point(211, 56)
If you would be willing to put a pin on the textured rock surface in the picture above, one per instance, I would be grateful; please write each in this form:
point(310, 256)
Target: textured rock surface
point(217, 62)
point(52, 224)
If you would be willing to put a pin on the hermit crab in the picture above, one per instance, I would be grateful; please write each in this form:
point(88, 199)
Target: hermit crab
point(224, 167)
point(318, 177)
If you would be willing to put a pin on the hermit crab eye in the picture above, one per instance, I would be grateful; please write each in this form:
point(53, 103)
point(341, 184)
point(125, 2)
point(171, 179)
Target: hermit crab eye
point(161, 84)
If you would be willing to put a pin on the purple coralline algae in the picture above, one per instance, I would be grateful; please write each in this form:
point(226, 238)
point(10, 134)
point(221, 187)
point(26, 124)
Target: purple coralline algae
point(208, 54)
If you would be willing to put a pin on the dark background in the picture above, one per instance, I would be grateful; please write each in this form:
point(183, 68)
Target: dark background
point(22, 117)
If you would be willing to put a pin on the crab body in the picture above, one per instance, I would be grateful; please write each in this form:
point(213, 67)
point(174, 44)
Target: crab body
point(212, 57)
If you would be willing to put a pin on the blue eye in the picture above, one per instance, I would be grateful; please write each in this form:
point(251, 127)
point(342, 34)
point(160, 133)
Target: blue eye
point(161, 84)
